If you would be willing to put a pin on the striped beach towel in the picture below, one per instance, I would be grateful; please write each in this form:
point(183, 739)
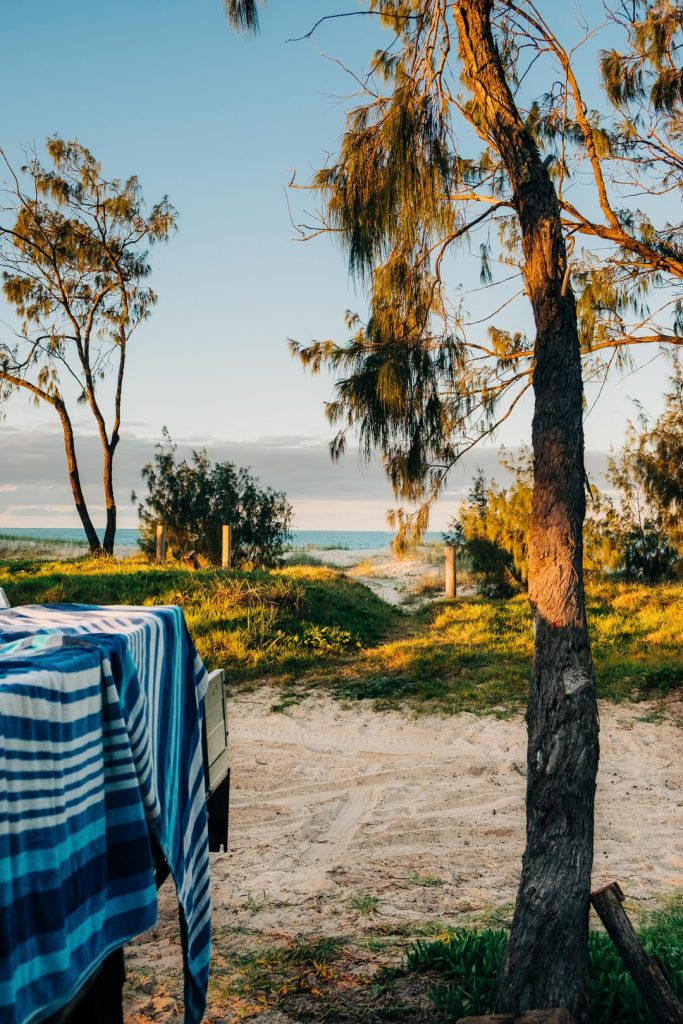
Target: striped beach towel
point(164, 726)
point(76, 871)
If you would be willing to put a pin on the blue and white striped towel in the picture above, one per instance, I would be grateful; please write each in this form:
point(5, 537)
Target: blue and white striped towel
point(76, 871)
point(165, 723)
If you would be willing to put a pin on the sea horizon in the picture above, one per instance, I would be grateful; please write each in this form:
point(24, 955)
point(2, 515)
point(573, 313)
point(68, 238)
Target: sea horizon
point(127, 537)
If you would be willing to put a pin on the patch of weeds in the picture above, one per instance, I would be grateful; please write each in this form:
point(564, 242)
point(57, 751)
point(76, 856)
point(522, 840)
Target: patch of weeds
point(468, 962)
point(364, 904)
point(375, 944)
point(253, 905)
point(651, 718)
point(289, 698)
point(426, 881)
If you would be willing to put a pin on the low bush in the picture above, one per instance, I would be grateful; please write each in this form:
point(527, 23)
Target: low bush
point(468, 962)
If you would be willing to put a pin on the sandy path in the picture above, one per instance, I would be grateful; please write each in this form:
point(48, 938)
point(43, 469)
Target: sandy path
point(331, 804)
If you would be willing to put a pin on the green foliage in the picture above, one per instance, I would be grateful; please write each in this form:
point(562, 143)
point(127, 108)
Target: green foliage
point(75, 265)
point(195, 499)
point(638, 535)
point(495, 523)
point(645, 526)
point(492, 530)
point(420, 381)
point(468, 962)
point(365, 904)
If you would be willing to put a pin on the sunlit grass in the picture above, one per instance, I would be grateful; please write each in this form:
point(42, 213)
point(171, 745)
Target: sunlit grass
point(277, 621)
point(475, 654)
point(312, 626)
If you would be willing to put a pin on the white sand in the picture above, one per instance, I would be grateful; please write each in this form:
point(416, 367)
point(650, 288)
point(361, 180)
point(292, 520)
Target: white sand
point(329, 804)
point(396, 580)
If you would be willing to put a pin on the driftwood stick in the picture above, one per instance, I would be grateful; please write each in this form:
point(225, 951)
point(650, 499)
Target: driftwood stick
point(647, 974)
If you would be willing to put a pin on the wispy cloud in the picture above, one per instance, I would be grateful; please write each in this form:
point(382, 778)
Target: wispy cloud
point(347, 494)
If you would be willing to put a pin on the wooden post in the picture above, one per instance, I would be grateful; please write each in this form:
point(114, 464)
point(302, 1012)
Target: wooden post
point(226, 560)
point(161, 543)
point(648, 976)
point(451, 579)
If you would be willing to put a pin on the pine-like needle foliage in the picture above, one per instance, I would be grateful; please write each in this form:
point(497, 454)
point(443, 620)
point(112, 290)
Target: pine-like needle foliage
point(410, 193)
point(242, 14)
point(74, 254)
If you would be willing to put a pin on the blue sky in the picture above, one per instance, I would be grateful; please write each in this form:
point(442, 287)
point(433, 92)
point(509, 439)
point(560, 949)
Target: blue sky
point(218, 122)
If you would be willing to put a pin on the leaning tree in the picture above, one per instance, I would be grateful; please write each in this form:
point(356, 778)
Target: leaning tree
point(73, 252)
point(458, 137)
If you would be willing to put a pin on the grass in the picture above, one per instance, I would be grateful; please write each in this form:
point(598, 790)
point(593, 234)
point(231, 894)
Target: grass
point(466, 964)
point(364, 904)
point(311, 626)
point(12, 546)
point(249, 982)
point(474, 654)
point(411, 974)
point(282, 621)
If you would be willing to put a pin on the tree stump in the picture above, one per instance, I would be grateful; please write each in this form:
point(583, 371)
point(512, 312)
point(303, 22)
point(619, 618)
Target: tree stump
point(191, 560)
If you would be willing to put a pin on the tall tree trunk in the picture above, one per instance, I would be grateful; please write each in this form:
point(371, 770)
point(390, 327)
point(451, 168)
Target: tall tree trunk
point(110, 500)
point(546, 963)
point(74, 477)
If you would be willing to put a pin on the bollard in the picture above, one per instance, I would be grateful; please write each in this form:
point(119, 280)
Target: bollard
point(226, 560)
point(161, 543)
point(451, 580)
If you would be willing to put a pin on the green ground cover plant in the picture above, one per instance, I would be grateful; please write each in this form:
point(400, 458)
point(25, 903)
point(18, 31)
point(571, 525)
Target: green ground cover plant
point(424, 974)
point(466, 964)
point(311, 626)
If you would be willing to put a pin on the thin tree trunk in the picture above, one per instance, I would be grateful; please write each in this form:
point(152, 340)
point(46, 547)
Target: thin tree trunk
point(57, 403)
point(546, 963)
point(75, 479)
point(110, 500)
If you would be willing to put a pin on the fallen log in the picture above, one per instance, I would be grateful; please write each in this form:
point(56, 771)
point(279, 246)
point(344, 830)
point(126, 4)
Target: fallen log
point(646, 971)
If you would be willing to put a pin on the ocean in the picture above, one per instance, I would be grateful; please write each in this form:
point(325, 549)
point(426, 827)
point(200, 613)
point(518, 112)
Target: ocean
point(326, 540)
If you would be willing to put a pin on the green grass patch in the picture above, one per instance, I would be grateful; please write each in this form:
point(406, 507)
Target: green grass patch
point(474, 654)
point(467, 963)
point(364, 904)
point(313, 626)
point(279, 621)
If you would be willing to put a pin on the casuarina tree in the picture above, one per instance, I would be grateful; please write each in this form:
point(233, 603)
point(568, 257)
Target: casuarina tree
point(421, 382)
point(74, 255)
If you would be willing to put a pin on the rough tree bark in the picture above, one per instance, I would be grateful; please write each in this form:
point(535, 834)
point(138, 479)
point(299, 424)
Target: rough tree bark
point(546, 963)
